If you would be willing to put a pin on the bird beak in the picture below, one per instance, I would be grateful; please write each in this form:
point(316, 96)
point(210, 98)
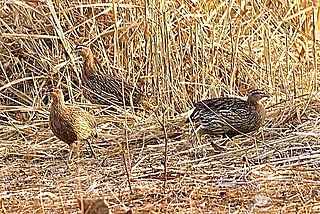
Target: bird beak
point(49, 91)
point(79, 48)
point(76, 49)
point(267, 95)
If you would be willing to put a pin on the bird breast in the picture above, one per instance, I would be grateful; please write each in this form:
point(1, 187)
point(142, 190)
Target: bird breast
point(62, 125)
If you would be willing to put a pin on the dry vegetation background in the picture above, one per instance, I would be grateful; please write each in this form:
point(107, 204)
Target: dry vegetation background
point(177, 52)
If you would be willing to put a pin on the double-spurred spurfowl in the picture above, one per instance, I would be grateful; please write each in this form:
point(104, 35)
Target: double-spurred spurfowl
point(102, 88)
point(71, 124)
point(229, 116)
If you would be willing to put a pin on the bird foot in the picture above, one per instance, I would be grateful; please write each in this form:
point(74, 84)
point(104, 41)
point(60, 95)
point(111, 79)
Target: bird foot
point(217, 147)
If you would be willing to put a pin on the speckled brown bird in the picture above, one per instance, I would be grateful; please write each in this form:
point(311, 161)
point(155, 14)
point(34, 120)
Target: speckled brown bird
point(71, 124)
point(229, 116)
point(101, 88)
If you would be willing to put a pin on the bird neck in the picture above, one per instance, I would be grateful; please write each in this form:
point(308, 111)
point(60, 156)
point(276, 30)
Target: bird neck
point(58, 104)
point(252, 102)
point(89, 63)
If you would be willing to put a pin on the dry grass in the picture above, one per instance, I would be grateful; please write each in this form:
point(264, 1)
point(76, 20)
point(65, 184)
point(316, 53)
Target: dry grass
point(177, 52)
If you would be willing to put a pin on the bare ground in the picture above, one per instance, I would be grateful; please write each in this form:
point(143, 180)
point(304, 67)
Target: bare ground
point(275, 170)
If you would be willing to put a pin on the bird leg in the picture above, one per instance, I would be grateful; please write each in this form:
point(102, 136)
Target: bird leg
point(196, 135)
point(70, 154)
point(224, 138)
point(219, 147)
point(73, 146)
point(196, 138)
point(91, 149)
point(69, 157)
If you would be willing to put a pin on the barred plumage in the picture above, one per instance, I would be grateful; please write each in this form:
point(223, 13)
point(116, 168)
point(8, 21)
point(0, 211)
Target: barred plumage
point(230, 116)
point(101, 88)
point(71, 124)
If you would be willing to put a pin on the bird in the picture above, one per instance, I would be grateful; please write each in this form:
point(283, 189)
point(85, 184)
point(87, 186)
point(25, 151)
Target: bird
point(229, 116)
point(102, 88)
point(71, 124)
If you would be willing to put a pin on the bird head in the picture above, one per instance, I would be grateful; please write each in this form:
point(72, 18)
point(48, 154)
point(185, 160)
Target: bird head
point(56, 95)
point(256, 95)
point(83, 50)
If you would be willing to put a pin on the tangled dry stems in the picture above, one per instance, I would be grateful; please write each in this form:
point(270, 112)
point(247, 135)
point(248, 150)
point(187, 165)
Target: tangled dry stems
point(177, 53)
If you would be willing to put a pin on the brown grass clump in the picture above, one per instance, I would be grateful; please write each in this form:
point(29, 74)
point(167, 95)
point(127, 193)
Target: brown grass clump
point(177, 53)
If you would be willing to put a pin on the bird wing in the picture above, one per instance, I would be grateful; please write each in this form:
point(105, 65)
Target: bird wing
point(106, 88)
point(110, 88)
point(61, 125)
point(224, 107)
point(102, 87)
point(85, 122)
